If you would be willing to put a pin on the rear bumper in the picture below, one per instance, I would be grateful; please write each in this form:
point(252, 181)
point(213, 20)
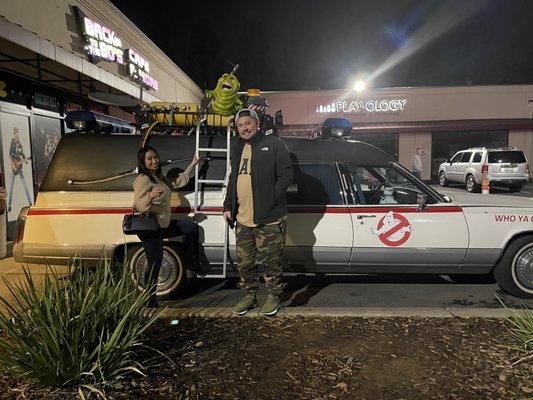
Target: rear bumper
point(59, 255)
point(508, 181)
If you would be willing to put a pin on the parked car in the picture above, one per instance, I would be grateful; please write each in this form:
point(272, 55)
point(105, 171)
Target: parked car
point(505, 166)
point(352, 209)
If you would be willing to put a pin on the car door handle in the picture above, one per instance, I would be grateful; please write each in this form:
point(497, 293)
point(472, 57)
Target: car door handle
point(361, 216)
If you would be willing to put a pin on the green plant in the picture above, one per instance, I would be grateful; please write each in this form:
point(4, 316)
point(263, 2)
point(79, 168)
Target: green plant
point(79, 330)
point(521, 325)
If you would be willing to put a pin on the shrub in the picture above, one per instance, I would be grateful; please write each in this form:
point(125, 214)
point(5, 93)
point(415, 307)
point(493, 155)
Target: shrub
point(521, 325)
point(79, 330)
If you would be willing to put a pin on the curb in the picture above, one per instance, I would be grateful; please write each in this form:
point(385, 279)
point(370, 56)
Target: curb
point(371, 312)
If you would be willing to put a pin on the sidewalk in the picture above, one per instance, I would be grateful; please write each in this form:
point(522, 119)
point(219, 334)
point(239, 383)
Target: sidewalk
point(13, 273)
point(354, 312)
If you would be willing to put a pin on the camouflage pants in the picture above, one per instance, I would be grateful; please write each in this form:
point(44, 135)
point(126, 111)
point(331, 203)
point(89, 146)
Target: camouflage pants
point(260, 249)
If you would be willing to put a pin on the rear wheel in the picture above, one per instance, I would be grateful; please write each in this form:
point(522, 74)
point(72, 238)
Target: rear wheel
point(471, 184)
point(514, 271)
point(442, 179)
point(172, 276)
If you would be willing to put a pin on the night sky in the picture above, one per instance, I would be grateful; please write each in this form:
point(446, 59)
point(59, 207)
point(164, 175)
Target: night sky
point(311, 44)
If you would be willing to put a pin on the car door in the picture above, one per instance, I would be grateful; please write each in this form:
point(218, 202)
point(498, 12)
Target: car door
point(393, 233)
point(319, 226)
point(462, 166)
point(451, 169)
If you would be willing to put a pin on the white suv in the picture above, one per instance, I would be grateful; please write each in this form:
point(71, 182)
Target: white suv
point(505, 166)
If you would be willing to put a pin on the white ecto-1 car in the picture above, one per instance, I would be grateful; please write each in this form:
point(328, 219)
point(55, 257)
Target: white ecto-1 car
point(352, 209)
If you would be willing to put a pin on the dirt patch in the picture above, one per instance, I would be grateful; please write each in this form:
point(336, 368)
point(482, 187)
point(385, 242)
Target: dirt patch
point(321, 358)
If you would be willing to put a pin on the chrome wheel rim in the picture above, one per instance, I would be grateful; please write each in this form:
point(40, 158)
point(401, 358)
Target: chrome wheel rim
point(442, 178)
point(470, 184)
point(168, 274)
point(522, 269)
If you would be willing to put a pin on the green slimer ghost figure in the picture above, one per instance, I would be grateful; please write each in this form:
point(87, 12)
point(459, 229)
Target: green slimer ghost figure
point(224, 100)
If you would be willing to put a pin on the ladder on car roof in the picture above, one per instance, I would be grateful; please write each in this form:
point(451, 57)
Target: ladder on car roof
point(198, 200)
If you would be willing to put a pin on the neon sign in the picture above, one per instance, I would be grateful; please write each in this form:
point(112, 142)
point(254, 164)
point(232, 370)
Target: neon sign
point(102, 42)
point(138, 69)
point(363, 106)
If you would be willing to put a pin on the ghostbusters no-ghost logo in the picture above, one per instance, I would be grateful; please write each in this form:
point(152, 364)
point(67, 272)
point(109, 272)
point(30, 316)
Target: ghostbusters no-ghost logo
point(393, 229)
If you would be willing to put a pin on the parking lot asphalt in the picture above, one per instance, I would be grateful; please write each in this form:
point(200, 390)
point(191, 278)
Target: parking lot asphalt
point(357, 295)
point(527, 190)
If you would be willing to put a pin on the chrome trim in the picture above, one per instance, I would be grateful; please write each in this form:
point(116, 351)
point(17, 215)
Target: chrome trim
point(481, 257)
point(378, 256)
point(342, 183)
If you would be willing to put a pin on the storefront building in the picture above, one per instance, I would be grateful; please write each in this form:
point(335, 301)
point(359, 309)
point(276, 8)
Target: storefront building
point(63, 55)
point(440, 120)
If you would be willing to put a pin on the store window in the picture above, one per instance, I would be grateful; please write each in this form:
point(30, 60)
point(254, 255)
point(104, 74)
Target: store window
point(388, 142)
point(445, 144)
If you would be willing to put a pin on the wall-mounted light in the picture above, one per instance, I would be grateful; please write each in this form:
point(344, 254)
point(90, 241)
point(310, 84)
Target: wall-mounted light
point(359, 86)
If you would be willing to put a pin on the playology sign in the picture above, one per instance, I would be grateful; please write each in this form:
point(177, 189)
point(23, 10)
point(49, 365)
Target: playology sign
point(363, 106)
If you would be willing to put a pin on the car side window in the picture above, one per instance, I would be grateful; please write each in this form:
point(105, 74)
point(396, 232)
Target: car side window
point(214, 169)
point(466, 156)
point(314, 184)
point(383, 185)
point(456, 158)
point(477, 157)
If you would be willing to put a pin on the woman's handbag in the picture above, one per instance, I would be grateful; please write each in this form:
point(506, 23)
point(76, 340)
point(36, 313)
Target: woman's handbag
point(133, 224)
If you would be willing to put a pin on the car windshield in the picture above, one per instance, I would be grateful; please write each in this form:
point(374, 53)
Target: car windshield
point(500, 157)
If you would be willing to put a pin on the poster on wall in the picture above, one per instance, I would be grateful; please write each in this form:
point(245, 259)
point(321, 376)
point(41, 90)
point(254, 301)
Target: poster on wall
point(18, 174)
point(45, 138)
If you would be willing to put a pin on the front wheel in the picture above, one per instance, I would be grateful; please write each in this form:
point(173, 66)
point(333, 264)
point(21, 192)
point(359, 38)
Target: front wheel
point(442, 179)
point(471, 184)
point(514, 271)
point(172, 276)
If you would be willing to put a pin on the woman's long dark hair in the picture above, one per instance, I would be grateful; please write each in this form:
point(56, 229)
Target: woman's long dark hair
point(141, 166)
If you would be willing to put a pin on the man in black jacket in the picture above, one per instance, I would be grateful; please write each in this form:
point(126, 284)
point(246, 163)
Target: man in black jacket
point(261, 172)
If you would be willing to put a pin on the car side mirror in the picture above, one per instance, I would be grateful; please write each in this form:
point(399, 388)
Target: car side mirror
point(421, 200)
point(447, 198)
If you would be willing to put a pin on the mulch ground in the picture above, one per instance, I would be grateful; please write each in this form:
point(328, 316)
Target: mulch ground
point(321, 358)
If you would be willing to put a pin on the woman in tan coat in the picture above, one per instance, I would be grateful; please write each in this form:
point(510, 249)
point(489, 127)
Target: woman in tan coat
point(152, 194)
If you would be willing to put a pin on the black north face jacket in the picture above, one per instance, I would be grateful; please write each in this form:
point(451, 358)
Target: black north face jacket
point(271, 175)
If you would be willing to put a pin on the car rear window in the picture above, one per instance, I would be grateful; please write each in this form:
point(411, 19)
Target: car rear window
point(506, 157)
point(314, 184)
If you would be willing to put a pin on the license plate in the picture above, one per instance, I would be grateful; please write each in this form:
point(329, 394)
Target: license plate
point(508, 169)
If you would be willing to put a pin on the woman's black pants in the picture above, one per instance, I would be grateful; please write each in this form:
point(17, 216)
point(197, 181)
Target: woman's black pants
point(153, 247)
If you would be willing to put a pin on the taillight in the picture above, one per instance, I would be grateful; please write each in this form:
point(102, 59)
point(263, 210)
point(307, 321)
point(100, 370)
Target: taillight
point(21, 224)
point(485, 169)
point(527, 169)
